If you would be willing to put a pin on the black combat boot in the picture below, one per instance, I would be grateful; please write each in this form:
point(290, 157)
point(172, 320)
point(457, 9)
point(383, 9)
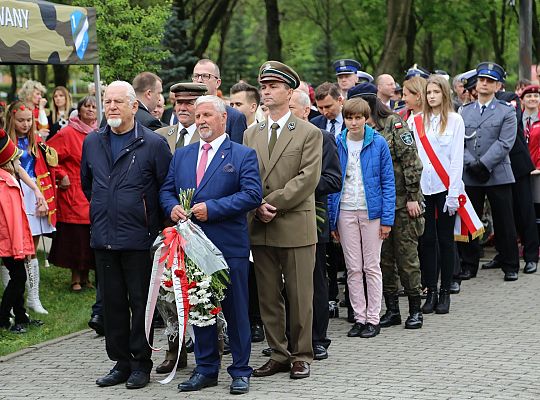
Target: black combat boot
point(443, 307)
point(392, 315)
point(415, 320)
point(431, 301)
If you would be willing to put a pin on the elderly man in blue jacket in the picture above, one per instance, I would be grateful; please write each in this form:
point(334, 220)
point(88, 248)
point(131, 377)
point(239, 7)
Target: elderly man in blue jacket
point(122, 168)
point(225, 176)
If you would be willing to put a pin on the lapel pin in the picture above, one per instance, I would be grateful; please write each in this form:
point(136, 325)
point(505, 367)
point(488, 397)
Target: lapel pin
point(222, 155)
point(291, 126)
point(261, 127)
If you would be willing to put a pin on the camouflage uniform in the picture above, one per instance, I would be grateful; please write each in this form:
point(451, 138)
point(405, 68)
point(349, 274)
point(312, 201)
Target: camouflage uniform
point(400, 249)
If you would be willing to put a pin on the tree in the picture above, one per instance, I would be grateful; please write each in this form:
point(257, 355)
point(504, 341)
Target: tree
point(397, 22)
point(273, 38)
point(129, 37)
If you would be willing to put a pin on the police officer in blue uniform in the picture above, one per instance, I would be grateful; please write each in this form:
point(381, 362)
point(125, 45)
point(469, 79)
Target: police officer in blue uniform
point(490, 133)
point(346, 70)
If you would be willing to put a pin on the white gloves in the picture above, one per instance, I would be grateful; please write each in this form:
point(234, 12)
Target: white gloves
point(451, 205)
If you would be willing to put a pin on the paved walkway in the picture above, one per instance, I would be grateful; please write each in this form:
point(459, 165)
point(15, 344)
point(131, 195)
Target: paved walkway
point(488, 347)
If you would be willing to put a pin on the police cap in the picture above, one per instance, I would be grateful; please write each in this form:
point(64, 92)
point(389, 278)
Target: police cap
point(469, 79)
point(363, 76)
point(347, 66)
point(491, 70)
point(276, 71)
point(417, 70)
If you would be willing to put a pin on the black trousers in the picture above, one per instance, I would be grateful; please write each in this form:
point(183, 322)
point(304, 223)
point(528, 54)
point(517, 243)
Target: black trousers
point(336, 263)
point(438, 239)
point(320, 298)
point(500, 200)
point(13, 297)
point(124, 281)
point(525, 218)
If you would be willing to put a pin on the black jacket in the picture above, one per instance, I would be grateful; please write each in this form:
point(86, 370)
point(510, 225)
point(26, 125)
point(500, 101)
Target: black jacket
point(330, 182)
point(124, 195)
point(146, 119)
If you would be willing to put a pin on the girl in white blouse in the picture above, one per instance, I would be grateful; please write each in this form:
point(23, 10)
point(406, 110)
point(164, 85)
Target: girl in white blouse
point(439, 135)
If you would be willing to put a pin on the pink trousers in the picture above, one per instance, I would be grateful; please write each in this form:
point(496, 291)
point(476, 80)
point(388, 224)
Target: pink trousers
point(361, 244)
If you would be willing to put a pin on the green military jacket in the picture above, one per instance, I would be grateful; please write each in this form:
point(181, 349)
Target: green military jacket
point(407, 164)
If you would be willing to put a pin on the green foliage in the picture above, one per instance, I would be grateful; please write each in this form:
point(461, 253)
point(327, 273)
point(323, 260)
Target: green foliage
point(129, 37)
point(68, 312)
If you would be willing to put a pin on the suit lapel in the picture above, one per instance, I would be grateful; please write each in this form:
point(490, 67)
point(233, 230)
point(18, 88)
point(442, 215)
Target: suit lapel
point(221, 154)
point(171, 137)
point(284, 138)
point(196, 137)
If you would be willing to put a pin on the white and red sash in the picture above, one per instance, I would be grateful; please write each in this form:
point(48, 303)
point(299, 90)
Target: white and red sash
point(466, 219)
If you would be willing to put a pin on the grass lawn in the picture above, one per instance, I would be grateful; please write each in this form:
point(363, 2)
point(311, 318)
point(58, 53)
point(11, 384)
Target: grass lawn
point(68, 312)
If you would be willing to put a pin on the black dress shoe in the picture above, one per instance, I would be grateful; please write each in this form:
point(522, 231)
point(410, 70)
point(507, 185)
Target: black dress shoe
point(190, 346)
point(465, 275)
point(319, 352)
point(114, 377)
point(267, 352)
point(18, 328)
point(493, 264)
point(455, 287)
point(530, 267)
point(370, 331)
point(510, 276)
point(96, 323)
point(197, 382)
point(240, 385)
point(356, 330)
point(257, 333)
point(138, 380)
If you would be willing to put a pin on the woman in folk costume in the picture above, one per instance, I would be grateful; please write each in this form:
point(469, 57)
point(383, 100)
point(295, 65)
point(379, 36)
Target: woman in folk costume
point(36, 161)
point(15, 237)
point(439, 135)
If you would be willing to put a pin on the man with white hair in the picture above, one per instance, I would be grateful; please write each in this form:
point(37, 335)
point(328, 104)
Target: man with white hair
point(226, 175)
point(122, 168)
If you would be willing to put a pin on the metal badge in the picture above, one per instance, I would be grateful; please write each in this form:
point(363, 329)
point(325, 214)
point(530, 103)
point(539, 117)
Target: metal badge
point(291, 126)
point(262, 125)
point(171, 131)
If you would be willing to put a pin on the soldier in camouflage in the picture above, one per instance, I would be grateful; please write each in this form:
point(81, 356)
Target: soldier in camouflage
point(399, 255)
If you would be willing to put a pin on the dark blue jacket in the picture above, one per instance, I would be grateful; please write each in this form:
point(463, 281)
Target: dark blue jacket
point(236, 125)
point(320, 121)
point(230, 187)
point(377, 176)
point(124, 195)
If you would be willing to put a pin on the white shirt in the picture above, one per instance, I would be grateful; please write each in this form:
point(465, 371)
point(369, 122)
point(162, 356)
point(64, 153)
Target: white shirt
point(410, 120)
point(281, 122)
point(338, 124)
point(448, 147)
point(211, 152)
point(487, 104)
point(190, 132)
point(353, 197)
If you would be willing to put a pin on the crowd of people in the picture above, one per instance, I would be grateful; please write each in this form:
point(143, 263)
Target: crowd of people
point(291, 183)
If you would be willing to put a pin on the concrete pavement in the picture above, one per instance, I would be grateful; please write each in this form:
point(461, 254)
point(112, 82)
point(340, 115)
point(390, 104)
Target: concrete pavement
point(488, 347)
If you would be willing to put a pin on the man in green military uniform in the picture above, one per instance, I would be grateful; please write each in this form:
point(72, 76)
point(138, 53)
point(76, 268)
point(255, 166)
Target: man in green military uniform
point(399, 255)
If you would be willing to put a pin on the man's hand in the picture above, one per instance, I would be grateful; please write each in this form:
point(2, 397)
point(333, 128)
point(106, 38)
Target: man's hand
point(178, 214)
point(384, 231)
point(266, 213)
point(64, 183)
point(335, 236)
point(413, 208)
point(200, 212)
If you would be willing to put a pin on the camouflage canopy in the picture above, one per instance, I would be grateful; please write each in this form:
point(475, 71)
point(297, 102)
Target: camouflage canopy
point(40, 32)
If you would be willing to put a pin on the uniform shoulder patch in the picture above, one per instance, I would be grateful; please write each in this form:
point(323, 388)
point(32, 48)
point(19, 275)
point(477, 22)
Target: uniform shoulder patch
point(407, 138)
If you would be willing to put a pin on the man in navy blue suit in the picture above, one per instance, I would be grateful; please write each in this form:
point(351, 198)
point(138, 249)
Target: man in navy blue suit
point(329, 102)
point(226, 177)
point(206, 71)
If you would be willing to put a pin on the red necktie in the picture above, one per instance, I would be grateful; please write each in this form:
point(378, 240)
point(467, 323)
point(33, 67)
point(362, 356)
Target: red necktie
point(202, 163)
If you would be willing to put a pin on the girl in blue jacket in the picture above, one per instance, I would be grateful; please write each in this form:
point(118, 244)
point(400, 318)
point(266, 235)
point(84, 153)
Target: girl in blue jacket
point(362, 214)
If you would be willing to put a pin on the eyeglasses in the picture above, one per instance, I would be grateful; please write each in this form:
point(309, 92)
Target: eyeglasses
point(203, 77)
